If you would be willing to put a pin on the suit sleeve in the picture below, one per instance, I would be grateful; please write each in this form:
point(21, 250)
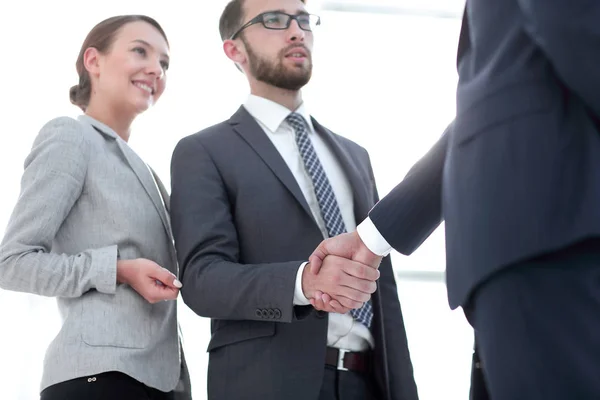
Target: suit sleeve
point(215, 283)
point(402, 383)
point(413, 209)
point(568, 32)
point(52, 182)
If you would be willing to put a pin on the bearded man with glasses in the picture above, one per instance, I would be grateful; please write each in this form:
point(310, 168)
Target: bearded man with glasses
point(252, 197)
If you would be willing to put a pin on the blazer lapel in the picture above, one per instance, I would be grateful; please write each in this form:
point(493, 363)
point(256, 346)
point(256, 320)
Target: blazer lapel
point(141, 170)
point(166, 199)
point(247, 127)
point(360, 184)
point(163, 192)
point(144, 175)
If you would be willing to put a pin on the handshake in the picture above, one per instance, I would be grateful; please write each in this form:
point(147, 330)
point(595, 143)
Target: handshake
point(341, 274)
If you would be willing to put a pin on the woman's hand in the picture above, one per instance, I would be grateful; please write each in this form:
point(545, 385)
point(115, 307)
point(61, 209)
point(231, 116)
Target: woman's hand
point(149, 279)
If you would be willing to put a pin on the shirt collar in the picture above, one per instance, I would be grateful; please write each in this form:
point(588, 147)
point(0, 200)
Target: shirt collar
point(272, 114)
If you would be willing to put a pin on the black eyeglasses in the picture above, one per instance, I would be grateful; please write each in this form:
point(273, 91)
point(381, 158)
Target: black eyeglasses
point(279, 21)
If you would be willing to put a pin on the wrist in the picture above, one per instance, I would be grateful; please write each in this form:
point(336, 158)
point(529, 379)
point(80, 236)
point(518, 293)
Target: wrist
point(372, 239)
point(123, 271)
point(308, 282)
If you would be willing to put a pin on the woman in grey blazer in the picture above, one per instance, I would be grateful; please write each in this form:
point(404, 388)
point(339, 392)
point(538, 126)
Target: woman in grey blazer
point(91, 228)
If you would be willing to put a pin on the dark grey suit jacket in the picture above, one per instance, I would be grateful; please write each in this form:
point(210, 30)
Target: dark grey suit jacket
point(518, 173)
point(242, 228)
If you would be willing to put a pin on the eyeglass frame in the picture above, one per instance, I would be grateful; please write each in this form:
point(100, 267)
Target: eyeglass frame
point(259, 19)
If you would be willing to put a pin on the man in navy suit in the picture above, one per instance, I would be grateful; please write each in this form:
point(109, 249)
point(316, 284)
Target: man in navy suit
point(516, 177)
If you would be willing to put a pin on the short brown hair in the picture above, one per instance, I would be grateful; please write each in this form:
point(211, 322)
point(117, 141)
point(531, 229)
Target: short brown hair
point(232, 18)
point(101, 37)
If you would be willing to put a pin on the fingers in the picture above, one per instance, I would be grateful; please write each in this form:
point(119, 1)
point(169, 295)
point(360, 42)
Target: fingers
point(353, 290)
point(354, 276)
point(155, 283)
point(153, 291)
point(343, 245)
point(342, 302)
point(334, 304)
point(340, 305)
point(166, 285)
point(159, 292)
point(361, 271)
point(166, 292)
point(166, 277)
point(362, 286)
point(323, 302)
point(316, 260)
point(317, 302)
point(349, 290)
point(355, 298)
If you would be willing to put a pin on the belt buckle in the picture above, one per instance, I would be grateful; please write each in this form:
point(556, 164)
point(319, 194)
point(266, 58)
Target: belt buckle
point(340, 363)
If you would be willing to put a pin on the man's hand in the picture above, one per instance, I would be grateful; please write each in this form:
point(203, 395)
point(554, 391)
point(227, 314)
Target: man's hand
point(351, 283)
point(323, 302)
point(149, 279)
point(346, 245)
point(349, 246)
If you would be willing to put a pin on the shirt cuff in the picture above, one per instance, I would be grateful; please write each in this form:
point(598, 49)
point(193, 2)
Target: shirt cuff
point(372, 238)
point(299, 297)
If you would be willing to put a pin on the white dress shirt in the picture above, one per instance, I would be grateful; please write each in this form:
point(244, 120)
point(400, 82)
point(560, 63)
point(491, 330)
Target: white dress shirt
point(343, 331)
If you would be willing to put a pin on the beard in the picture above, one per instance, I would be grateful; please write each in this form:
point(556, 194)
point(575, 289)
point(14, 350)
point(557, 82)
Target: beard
point(275, 73)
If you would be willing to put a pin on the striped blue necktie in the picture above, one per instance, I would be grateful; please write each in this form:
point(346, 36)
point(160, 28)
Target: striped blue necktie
point(330, 211)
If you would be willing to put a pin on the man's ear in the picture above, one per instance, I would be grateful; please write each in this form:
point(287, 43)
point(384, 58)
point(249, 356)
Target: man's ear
point(235, 51)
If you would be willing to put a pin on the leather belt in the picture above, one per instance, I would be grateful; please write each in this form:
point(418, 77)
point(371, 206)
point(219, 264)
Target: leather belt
point(345, 360)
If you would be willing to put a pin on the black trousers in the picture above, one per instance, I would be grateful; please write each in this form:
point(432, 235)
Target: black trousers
point(478, 390)
point(346, 385)
point(106, 386)
point(537, 326)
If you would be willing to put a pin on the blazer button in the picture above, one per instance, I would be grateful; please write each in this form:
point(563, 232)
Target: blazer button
point(271, 313)
point(258, 313)
point(265, 314)
point(277, 313)
point(321, 314)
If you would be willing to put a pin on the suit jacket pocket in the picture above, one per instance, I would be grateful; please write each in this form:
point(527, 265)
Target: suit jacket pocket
point(124, 319)
point(230, 332)
point(502, 106)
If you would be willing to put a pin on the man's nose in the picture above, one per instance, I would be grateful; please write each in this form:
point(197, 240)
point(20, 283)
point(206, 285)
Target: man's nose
point(295, 33)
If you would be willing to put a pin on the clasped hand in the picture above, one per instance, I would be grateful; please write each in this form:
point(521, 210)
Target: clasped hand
point(341, 274)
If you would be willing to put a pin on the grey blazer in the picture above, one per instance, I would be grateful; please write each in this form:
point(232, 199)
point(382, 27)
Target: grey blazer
point(86, 197)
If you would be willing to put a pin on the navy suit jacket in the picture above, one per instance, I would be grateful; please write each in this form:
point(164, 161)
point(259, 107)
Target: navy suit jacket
point(517, 173)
